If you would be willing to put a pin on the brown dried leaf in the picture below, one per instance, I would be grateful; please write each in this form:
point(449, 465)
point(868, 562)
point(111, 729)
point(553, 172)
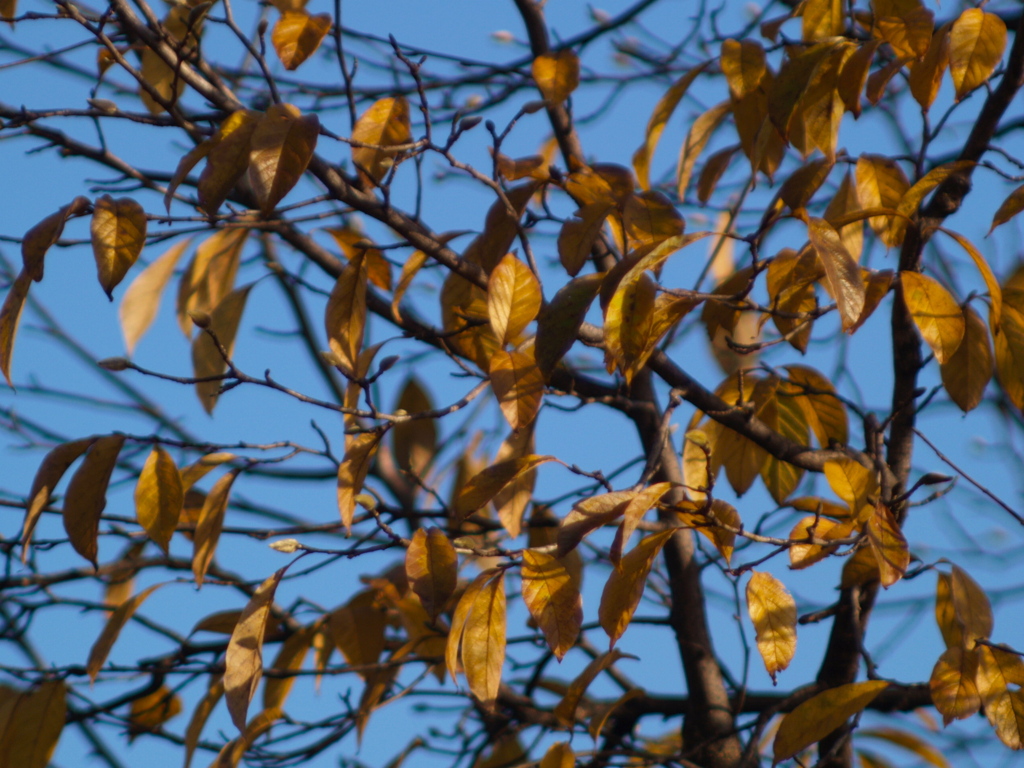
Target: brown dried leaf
point(970, 369)
point(290, 657)
point(817, 717)
point(227, 160)
point(38, 240)
point(151, 711)
point(101, 648)
point(888, 544)
point(86, 495)
point(10, 317)
point(701, 131)
point(282, 146)
point(560, 321)
point(485, 485)
point(50, 472)
point(971, 607)
point(34, 725)
point(565, 711)
point(926, 76)
point(352, 474)
point(210, 276)
point(345, 316)
point(201, 714)
point(841, 271)
point(656, 124)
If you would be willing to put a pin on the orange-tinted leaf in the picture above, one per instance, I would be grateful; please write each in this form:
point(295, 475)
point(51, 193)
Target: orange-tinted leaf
point(118, 234)
point(743, 64)
point(773, 612)
point(656, 124)
point(714, 167)
point(211, 521)
point(953, 687)
point(825, 413)
point(935, 312)
point(995, 292)
point(860, 569)
point(634, 512)
point(823, 19)
point(297, 35)
point(282, 146)
point(926, 76)
point(559, 755)
point(86, 495)
point(945, 613)
point(578, 235)
point(141, 301)
point(207, 359)
point(696, 140)
point(851, 481)
point(817, 717)
point(976, 43)
point(651, 218)
point(431, 566)
point(383, 126)
point(805, 555)
point(881, 183)
point(711, 523)
point(519, 386)
point(159, 497)
point(1004, 708)
point(626, 584)
point(589, 515)
point(969, 370)
point(552, 595)
point(243, 661)
point(352, 474)
point(357, 629)
point(120, 617)
point(909, 741)
point(557, 74)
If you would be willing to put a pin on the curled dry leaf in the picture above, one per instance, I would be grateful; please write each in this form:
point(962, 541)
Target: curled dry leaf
point(116, 622)
point(282, 146)
point(773, 612)
point(10, 317)
point(118, 235)
point(86, 495)
point(243, 661)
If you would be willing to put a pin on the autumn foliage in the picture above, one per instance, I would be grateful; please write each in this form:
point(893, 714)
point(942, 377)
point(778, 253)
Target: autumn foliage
point(516, 439)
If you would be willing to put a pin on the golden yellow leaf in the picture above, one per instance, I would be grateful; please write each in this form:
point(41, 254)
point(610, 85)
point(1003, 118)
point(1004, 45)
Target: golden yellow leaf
point(519, 386)
point(1009, 346)
point(633, 513)
point(231, 753)
point(101, 648)
point(953, 688)
point(345, 316)
point(789, 419)
point(227, 160)
point(559, 755)
point(876, 287)
point(1009, 208)
point(159, 497)
point(850, 481)
point(431, 566)
point(118, 234)
point(565, 711)
point(805, 555)
point(34, 725)
point(995, 292)
point(976, 43)
point(409, 270)
point(202, 466)
point(817, 717)
point(214, 691)
point(38, 239)
point(589, 515)
point(696, 140)
point(698, 443)
point(557, 74)
point(533, 167)
point(383, 126)
point(512, 501)
point(860, 569)
point(971, 606)
point(656, 124)
point(714, 167)
point(352, 474)
point(552, 596)
point(10, 317)
point(208, 361)
point(773, 612)
point(297, 35)
point(820, 109)
point(888, 544)
point(625, 586)
point(149, 712)
point(854, 76)
point(1004, 708)
point(281, 147)
point(211, 520)
point(907, 740)
point(210, 276)
point(945, 613)
point(141, 301)
point(485, 485)
point(926, 76)
point(906, 26)
point(935, 312)
point(86, 495)
point(352, 241)
point(845, 202)
point(513, 298)
point(881, 183)
point(357, 629)
point(243, 661)
point(824, 412)
point(158, 75)
point(968, 372)
point(823, 19)
point(501, 228)
point(560, 321)
point(50, 472)
point(791, 83)
point(841, 271)
point(290, 657)
point(651, 218)
point(711, 523)
point(459, 618)
point(483, 640)
point(743, 64)
point(577, 236)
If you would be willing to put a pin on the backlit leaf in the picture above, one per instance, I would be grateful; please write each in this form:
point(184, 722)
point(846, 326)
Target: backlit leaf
point(459, 618)
point(211, 521)
point(696, 140)
point(159, 497)
point(38, 240)
point(945, 613)
point(712, 525)
point(805, 555)
point(841, 271)
point(207, 359)
point(243, 661)
point(969, 370)
point(559, 755)
point(714, 167)
point(589, 515)
point(995, 292)
point(513, 298)
point(282, 146)
point(210, 276)
point(10, 317)
point(352, 474)
point(483, 640)
point(431, 566)
point(118, 234)
point(415, 441)
point(383, 126)
point(519, 386)
point(656, 124)
point(914, 196)
point(86, 495)
point(850, 481)
point(743, 64)
point(881, 183)
point(1009, 347)
point(773, 612)
point(633, 513)
point(120, 617)
point(214, 692)
point(926, 76)
point(557, 74)
point(1004, 707)
point(485, 485)
point(231, 754)
point(560, 321)
point(512, 501)
point(625, 586)
point(357, 629)
point(971, 606)
point(578, 235)
point(345, 316)
point(227, 159)
point(50, 472)
point(141, 301)
point(290, 657)
point(501, 228)
point(823, 19)
point(825, 413)
point(976, 43)
point(909, 741)
point(552, 596)
point(202, 466)
point(1010, 207)
point(888, 544)
point(935, 312)
point(565, 711)
point(297, 35)
point(817, 717)
point(953, 688)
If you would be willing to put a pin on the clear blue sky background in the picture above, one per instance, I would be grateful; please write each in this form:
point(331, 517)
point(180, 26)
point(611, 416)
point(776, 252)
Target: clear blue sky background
point(904, 645)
